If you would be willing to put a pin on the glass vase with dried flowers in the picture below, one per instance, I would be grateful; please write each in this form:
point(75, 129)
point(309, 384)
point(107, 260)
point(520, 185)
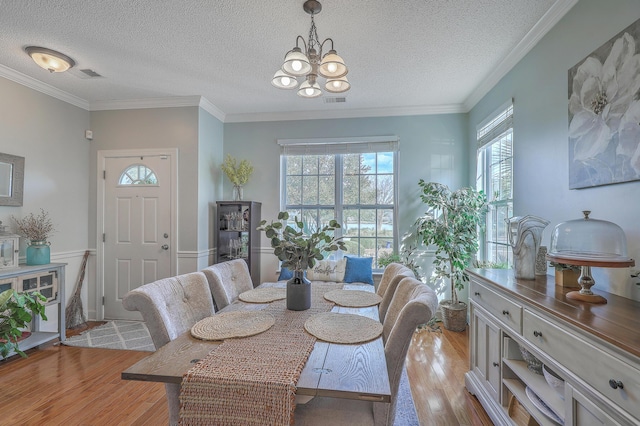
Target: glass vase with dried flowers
point(37, 229)
point(238, 174)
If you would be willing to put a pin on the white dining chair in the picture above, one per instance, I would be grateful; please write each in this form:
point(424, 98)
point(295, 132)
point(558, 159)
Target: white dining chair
point(400, 273)
point(227, 280)
point(415, 305)
point(170, 307)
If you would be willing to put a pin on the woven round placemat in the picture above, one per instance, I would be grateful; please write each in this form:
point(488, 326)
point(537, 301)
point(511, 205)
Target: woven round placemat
point(343, 328)
point(263, 295)
point(353, 298)
point(232, 324)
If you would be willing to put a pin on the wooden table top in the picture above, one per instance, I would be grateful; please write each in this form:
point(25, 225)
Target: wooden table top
point(617, 322)
point(336, 370)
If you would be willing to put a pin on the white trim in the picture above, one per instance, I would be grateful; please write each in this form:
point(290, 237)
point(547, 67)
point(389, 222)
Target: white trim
point(539, 30)
point(345, 113)
point(102, 155)
point(41, 87)
point(364, 139)
point(494, 114)
point(192, 254)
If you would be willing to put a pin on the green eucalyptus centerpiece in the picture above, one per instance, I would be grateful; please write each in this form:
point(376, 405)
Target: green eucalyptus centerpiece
point(451, 225)
point(16, 312)
point(299, 251)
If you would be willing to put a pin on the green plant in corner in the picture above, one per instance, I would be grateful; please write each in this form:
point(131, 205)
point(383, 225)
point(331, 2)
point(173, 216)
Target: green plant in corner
point(451, 225)
point(16, 312)
point(405, 258)
point(238, 173)
point(294, 248)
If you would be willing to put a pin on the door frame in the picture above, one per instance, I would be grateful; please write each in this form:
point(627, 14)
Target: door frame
point(172, 153)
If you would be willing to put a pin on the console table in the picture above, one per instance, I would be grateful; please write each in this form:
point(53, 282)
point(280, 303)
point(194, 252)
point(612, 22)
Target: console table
point(49, 281)
point(594, 348)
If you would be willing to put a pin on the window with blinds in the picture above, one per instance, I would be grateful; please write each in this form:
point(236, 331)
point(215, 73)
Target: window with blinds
point(495, 178)
point(351, 180)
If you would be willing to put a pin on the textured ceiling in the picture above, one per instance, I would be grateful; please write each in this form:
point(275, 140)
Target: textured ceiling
point(403, 55)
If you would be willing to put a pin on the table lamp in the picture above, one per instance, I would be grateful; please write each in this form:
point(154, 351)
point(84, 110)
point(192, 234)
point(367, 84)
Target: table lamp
point(589, 242)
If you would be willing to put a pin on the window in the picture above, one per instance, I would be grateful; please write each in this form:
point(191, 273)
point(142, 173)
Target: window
point(495, 178)
point(138, 174)
point(353, 181)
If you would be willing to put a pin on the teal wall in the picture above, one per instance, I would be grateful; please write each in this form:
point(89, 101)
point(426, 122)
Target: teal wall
point(538, 86)
point(432, 147)
point(210, 150)
point(424, 140)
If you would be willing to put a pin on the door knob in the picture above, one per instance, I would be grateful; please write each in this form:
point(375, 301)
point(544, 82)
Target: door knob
point(165, 247)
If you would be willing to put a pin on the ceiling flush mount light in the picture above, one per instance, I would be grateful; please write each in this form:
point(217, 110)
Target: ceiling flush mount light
point(310, 63)
point(50, 60)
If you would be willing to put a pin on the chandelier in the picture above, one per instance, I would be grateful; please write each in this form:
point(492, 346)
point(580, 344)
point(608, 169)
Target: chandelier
point(311, 63)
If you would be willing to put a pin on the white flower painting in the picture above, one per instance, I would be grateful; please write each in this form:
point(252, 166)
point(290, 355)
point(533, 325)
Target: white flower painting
point(604, 113)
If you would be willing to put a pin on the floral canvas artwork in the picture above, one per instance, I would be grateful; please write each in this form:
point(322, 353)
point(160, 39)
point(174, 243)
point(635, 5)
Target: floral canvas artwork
point(604, 113)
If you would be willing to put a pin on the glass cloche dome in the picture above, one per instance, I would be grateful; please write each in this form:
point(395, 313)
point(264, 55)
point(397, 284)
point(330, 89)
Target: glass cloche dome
point(589, 239)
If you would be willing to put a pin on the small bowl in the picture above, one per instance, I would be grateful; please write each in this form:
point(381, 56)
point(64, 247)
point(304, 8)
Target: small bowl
point(533, 363)
point(556, 382)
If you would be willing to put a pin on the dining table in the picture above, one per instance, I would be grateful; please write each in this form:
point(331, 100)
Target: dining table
point(337, 370)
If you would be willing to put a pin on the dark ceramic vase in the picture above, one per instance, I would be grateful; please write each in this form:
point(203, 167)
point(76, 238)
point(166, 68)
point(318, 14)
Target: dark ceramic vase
point(299, 292)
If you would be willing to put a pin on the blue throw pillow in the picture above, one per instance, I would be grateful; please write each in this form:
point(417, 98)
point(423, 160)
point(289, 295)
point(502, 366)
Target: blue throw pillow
point(359, 270)
point(285, 274)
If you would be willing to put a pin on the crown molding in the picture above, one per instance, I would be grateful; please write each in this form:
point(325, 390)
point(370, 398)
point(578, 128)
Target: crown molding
point(539, 30)
point(41, 87)
point(345, 113)
point(164, 102)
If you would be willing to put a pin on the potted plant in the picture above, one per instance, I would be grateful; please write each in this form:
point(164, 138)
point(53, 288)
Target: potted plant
point(298, 252)
point(406, 258)
point(566, 275)
point(238, 174)
point(16, 312)
point(451, 225)
point(37, 229)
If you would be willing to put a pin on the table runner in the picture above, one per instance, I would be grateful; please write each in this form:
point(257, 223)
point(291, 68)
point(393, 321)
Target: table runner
point(252, 381)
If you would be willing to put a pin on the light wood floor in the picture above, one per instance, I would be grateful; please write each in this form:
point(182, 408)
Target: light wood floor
point(62, 385)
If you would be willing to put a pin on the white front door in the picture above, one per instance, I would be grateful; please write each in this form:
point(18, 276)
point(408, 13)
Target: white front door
point(137, 227)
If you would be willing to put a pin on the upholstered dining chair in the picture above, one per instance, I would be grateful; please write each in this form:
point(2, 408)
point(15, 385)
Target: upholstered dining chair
point(400, 273)
point(170, 307)
point(227, 280)
point(415, 304)
point(390, 271)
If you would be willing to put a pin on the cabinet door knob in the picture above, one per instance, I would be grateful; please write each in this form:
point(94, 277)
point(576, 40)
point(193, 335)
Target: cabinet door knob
point(537, 333)
point(495, 364)
point(477, 293)
point(505, 312)
point(615, 384)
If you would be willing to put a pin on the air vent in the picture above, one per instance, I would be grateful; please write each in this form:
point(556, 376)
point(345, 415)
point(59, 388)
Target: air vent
point(90, 73)
point(85, 73)
point(334, 100)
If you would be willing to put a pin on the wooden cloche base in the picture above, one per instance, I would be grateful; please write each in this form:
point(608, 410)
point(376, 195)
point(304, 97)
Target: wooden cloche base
point(589, 298)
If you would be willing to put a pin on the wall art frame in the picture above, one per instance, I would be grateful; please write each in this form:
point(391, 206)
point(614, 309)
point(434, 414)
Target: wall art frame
point(604, 113)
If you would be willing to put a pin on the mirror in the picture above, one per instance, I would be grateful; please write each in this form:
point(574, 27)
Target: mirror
point(11, 180)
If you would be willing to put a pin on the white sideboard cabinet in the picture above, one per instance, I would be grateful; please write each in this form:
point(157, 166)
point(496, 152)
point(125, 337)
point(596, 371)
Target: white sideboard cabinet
point(49, 281)
point(595, 349)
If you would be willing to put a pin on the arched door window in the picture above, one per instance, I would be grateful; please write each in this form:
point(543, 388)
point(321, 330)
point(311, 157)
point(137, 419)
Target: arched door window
point(138, 174)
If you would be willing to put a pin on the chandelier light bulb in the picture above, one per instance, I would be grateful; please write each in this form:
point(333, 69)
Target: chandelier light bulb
point(283, 81)
point(296, 65)
point(332, 67)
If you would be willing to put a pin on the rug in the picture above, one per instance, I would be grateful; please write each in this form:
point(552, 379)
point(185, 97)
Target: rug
point(130, 335)
point(134, 335)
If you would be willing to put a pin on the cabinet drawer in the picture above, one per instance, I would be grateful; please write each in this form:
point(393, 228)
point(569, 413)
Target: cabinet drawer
point(506, 311)
point(590, 363)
